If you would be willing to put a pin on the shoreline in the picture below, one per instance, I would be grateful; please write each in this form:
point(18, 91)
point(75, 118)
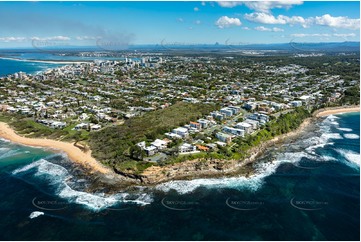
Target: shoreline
point(74, 153)
point(180, 171)
point(213, 168)
point(190, 169)
point(336, 110)
point(45, 61)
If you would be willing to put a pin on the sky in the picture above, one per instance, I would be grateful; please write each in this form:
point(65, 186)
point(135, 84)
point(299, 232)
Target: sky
point(46, 24)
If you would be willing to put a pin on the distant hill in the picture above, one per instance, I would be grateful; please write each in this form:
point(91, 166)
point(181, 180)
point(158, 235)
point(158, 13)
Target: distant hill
point(289, 47)
point(164, 47)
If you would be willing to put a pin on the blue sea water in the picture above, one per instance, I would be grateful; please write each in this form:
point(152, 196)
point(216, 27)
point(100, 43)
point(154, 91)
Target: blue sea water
point(306, 189)
point(51, 56)
point(12, 66)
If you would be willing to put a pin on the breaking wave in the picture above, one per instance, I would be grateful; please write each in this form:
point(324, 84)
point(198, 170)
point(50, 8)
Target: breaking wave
point(345, 129)
point(252, 183)
point(350, 156)
point(304, 149)
point(7, 152)
point(35, 214)
point(351, 136)
point(307, 150)
point(57, 177)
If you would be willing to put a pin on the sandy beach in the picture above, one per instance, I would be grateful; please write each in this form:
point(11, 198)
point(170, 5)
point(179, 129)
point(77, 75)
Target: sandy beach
point(74, 153)
point(86, 160)
point(336, 110)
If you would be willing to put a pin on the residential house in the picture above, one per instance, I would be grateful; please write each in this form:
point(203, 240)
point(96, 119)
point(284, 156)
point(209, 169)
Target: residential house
point(160, 144)
point(195, 125)
point(151, 150)
point(296, 103)
point(234, 131)
point(81, 126)
point(224, 137)
point(247, 127)
point(173, 136)
point(57, 125)
point(254, 123)
point(183, 132)
point(204, 123)
point(227, 112)
point(141, 145)
point(250, 105)
point(186, 148)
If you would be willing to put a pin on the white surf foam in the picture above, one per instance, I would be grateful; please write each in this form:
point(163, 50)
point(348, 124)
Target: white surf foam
point(57, 176)
point(351, 136)
point(93, 201)
point(141, 199)
point(5, 140)
point(331, 120)
point(351, 156)
point(35, 214)
point(27, 167)
point(6, 153)
point(345, 129)
point(252, 183)
point(328, 136)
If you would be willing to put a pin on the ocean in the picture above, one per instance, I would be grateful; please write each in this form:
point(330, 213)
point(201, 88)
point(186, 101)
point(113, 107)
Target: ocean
point(305, 189)
point(12, 66)
point(24, 62)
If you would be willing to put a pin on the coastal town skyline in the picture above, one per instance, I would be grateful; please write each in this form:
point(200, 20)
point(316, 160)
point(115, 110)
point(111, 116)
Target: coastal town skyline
point(188, 23)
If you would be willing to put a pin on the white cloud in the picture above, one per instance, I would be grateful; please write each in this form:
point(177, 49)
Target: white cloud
point(203, 3)
point(229, 4)
point(12, 39)
point(180, 20)
point(22, 39)
point(266, 6)
point(56, 38)
point(310, 35)
point(246, 28)
point(261, 6)
point(265, 18)
point(337, 22)
point(60, 38)
point(86, 38)
point(262, 28)
point(197, 22)
point(196, 9)
point(324, 35)
point(225, 22)
point(275, 29)
point(325, 20)
point(345, 35)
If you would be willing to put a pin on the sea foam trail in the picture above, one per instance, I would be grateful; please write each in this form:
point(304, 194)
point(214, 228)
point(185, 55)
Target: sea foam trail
point(251, 183)
point(350, 156)
point(35, 214)
point(345, 129)
point(351, 136)
point(7, 152)
point(57, 176)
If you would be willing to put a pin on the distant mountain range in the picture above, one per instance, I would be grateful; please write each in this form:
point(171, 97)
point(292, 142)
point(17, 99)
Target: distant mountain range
point(163, 47)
